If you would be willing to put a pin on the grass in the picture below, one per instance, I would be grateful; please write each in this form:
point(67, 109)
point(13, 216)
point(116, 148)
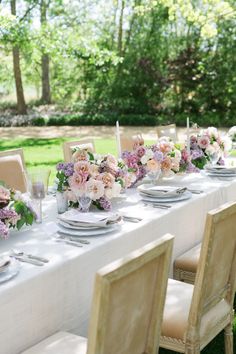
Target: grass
point(46, 153)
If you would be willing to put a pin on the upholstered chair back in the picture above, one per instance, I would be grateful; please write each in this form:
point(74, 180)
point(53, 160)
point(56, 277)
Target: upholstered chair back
point(69, 146)
point(128, 302)
point(215, 278)
point(12, 169)
point(132, 142)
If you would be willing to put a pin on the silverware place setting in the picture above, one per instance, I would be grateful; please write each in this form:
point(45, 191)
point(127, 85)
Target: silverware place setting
point(158, 206)
point(131, 218)
point(28, 258)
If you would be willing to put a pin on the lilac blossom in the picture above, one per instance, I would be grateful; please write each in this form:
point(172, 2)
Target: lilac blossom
point(105, 203)
point(4, 232)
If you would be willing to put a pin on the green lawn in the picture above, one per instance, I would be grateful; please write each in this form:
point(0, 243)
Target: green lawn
point(46, 153)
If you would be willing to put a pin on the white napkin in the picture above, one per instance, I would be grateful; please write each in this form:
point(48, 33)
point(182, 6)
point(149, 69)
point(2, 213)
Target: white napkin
point(159, 191)
point(102, 219)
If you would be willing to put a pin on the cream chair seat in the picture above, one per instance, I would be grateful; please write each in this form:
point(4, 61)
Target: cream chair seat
point(12, 169)
point(195, 314)
point(127, 308)
point(69, 146)
point(180, 312)
point(185, 266)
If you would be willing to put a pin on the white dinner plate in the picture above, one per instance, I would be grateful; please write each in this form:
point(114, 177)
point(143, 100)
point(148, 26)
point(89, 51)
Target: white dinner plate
point(219, 174)
point(184, 196)
point(159, 191)
point(4, 263)
point(88, 232)
point(11, 271)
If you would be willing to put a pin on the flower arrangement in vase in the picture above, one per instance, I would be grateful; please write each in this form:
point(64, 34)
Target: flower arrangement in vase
point(161, 158)
point(209, 147)
point(16, 210)
point(92, 178)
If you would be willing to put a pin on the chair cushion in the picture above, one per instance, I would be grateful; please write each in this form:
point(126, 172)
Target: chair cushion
point(12, 172)
point(189, 260)
point(176, 311)
point(60, 343)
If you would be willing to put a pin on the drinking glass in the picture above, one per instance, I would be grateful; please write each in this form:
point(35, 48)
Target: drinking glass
point(38, 184)
point(214, 157)
point(154, 175)
point(84, 202)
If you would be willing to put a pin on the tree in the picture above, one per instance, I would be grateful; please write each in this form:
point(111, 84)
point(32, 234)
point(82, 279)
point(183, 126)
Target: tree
point(21, 105)
point(46, 91)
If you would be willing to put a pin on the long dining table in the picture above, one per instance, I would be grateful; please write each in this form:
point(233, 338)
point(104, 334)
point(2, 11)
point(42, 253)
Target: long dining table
point(57, 296)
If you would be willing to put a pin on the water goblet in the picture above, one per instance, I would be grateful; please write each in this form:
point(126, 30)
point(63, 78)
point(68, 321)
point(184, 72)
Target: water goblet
point(154, 175)
point(38, 183)
point(84, 201)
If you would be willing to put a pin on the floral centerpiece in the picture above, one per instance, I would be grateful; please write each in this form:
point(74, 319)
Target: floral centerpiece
point(98, 177)
point(232, 134)
point(162, 157)
point(15, 210)
point(209, 146)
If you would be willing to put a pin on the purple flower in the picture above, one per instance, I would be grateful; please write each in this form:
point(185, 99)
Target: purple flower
point(105, 204)
point(7, 214)
point(158, 156)
point(60, 166)
point(196, 154)
point(4, 231)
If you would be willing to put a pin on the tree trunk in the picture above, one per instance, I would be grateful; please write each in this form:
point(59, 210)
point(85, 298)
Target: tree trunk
point(120, 31)
point(46, 91)
point(21, 106)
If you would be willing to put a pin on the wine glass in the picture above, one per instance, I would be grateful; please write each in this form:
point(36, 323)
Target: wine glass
point(38, 184)
point(154, 175)
point(214, 156)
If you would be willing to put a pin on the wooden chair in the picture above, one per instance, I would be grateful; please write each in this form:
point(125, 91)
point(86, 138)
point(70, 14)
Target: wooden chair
point(127, 308)
point(69, 146)
point(13, 169)
point(130, 143)
point(167, 130)
point(195, 314)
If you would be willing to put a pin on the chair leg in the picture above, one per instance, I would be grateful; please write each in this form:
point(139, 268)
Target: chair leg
point(228, 334)
point(192, 349)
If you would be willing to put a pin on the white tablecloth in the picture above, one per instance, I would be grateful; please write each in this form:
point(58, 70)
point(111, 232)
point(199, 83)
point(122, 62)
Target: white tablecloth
point(41, 300)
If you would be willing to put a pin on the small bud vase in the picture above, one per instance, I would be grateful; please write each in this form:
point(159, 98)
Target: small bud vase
point(62, 202)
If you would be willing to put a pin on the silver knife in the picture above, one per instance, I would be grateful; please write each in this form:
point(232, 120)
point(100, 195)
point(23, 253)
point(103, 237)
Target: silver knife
point(28, 260)
point(37, 258)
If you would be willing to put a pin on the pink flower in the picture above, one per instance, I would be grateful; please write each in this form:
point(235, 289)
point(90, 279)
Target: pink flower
point(107, 179)
point(80, 155)
point(95, 189)
point(4, 195)
point(153, 165)
point(165, 147)
point(166, 164)
point(77, 181)
point(140, 151)
point(82, 167)
point(203, 141)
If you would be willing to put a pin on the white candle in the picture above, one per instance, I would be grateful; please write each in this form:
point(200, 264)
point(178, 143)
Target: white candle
point(118, 139)
point(188, 137)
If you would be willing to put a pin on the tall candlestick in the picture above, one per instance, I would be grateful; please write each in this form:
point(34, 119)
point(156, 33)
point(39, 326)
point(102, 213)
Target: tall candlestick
point(188, 137)
point(118, 139)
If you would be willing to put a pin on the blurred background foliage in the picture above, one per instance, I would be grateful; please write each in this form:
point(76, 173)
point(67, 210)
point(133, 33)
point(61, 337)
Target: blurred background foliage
point(133, 58)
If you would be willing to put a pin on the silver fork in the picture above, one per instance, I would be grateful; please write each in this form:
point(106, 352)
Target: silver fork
point(73, 239)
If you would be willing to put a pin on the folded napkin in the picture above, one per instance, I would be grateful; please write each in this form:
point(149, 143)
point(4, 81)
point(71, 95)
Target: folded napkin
point(4, 263)
point(89, 219)
point(161, 191)
point(220, 169)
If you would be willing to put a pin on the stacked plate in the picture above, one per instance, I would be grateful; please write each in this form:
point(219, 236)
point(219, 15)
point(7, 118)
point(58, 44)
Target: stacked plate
point(75, 223)
point(220, 171)
point(163, 194)
point(9, 267)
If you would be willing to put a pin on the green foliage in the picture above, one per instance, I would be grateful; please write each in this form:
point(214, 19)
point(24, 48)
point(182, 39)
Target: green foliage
point(163, 60)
